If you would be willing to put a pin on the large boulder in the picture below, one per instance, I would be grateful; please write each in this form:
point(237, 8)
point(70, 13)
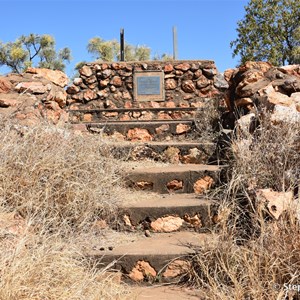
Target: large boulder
point(34, 96)
point(55, 76)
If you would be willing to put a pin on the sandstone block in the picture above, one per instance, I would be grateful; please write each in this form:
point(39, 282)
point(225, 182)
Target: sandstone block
point(57, 77)
point(188, 86)
point(182, 128)
point(86, 71)
point(167, 224)
point(139, 134)
point(175, 185)
point(203, 184)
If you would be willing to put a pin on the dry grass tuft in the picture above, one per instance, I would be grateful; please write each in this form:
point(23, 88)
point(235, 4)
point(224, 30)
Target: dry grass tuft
point(56, 177)
point(48, 267)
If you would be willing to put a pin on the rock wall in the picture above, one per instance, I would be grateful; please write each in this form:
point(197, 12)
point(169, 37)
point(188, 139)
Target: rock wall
point(111, 85)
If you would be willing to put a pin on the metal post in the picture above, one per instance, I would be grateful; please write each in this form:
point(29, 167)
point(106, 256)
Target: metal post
point(175, 48)
point(122, 46)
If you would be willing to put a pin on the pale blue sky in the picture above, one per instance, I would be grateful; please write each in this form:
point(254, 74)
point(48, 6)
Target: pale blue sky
point(204, 27)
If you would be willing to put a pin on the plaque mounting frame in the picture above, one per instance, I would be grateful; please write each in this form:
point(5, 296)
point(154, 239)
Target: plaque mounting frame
point(142, 92)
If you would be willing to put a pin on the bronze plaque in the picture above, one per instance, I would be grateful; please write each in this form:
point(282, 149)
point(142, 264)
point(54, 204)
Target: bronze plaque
point(149, 86)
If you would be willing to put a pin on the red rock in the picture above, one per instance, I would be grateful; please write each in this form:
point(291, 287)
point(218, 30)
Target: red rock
point(290, 70)
point(182, 128)
point(197, 74)
point(183, 67)
point(104, 83)
point(243, 102)
point(202, 82)
point(167, 224)
point(58, 95)
point(175, 185)
point(188, 86)
point(9, 100)
point(168, 68)
point(170, 84)
point(250, 89)
point(55, 76)
point(195, 221)
point(203, 184)
point(275, 97)
point(142, 270)
point(128, 104)
point(139, 134)
point(86, 71)
point(115, 66)
point(163, 128)
point(87, 118)
point(229, 74)
point(5, 85)
point(73, 89)
point(259, 65)
point(154, 104)
point(106, 73)
point(116, 81)
point(89, 95)
point(164, 116)
point(33, 87)
point(170, 104)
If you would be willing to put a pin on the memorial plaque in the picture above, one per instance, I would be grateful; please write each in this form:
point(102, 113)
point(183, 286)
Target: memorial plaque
point(149, 86)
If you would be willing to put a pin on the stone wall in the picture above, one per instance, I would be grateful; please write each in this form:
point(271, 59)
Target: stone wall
point(111, 85)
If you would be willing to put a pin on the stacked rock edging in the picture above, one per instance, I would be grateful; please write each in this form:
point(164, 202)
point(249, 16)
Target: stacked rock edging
point(35, 96)
point(103, 98)
point(110, 85)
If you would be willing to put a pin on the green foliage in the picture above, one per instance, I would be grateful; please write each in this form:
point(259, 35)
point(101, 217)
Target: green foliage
point(110, 50)
point(26, 50)
point(269, 31)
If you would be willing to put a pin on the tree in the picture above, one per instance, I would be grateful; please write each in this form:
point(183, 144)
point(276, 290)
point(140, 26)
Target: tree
point(269, 31)
point(26, 50)
point(110, 50)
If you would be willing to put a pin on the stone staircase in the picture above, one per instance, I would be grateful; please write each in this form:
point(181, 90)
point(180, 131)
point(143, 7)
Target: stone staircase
point(175, 215)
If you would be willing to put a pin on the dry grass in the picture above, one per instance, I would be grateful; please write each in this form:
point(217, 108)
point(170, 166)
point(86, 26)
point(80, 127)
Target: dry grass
point(54, 176)
point(257, 256)
point(53, 186)
point(47, 267)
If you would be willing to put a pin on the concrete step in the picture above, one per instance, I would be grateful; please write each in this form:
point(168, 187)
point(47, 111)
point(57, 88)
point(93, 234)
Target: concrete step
point(165, 151)
point(166, 292)
point(169, 212)
point(185, 178)
point(145, 113)
point(159, 258)
point(153, 130)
